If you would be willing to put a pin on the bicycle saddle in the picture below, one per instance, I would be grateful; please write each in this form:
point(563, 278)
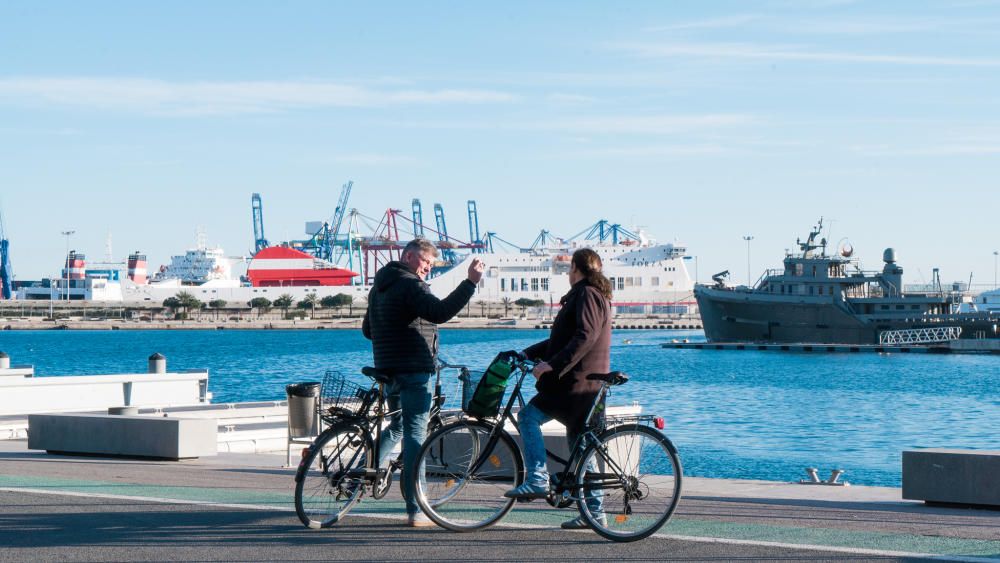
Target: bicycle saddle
point(380, 376)
point(613, 378)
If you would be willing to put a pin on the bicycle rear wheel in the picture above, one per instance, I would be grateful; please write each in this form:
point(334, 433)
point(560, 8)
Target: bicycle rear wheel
point(462, 478)
point(633, 484)
point(331, 478)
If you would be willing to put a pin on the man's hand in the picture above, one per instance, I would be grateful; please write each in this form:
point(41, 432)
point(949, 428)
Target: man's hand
point(541, 368)
point(476, 270)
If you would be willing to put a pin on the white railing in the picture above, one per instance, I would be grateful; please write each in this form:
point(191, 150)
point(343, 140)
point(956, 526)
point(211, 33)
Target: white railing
point(920, 335)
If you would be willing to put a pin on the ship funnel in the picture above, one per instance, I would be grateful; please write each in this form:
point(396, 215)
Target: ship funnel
point(889, 256)
point(137, 268)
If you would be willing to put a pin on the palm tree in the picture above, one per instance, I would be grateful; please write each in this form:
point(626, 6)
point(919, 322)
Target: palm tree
point(309, 302)
point(506, 305)
point(482, 308)
point(217, 304)
point(283, 302)
point(262, 304)
point(182, 302)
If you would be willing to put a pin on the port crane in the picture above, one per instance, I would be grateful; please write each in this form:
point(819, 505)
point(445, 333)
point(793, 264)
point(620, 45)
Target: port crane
point(603, 230)
point(259, 241)
point(6, 272)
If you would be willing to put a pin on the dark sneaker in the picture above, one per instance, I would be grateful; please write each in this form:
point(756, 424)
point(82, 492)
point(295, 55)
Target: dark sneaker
point(527, 491)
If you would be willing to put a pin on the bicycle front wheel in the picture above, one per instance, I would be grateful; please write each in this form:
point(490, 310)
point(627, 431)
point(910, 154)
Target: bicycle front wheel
point(629, 483)
point(462, 476)
point(331, 478)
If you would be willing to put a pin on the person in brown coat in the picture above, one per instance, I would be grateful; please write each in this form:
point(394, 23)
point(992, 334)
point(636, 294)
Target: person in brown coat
point(579, 345)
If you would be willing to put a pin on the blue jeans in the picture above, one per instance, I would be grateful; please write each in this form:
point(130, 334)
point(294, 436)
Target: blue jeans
point(529, 422)
point(411, 392)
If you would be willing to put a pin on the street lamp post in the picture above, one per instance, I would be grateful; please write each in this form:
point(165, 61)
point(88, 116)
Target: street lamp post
point(67, 234)
point(748, 238)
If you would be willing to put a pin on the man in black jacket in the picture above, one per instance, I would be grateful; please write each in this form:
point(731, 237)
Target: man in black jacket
point(401, 322)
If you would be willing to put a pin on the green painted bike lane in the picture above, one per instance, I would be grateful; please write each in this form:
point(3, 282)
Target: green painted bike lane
point(530, 515)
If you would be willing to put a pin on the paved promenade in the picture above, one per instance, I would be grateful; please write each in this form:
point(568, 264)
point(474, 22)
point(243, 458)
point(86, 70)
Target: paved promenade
point(238, 507)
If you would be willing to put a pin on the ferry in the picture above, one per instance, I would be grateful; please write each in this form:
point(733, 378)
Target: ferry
point(829, 299)
point(647, 278)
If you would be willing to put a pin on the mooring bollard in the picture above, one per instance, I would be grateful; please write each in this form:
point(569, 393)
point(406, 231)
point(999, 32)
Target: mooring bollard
point(4, 360)
point(157, 363)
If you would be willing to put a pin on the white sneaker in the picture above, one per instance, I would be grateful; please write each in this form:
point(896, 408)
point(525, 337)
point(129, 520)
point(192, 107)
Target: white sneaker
point(419, 520)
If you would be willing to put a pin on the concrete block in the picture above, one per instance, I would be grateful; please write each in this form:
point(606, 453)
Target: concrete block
point(120, 435)
point(952, 476)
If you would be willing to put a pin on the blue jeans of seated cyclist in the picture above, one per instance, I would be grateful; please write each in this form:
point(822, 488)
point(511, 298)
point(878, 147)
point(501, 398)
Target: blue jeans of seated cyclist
point(411, 392)
point(530, 420)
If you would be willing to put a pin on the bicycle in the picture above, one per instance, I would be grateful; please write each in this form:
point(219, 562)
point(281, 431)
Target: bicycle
point(340, 466)
point(467, 465)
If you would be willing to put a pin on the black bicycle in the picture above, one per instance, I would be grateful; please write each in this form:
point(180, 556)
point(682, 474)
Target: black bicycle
point(341, 465)
point(623, 464)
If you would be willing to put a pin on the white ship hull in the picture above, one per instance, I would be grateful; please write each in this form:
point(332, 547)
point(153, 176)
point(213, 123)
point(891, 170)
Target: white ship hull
point(646, 279)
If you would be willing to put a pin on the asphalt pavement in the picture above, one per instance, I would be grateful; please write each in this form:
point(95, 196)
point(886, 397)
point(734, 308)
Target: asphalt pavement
point(238, 507)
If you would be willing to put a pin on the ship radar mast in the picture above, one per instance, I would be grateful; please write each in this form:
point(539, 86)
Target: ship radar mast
point(810, 244)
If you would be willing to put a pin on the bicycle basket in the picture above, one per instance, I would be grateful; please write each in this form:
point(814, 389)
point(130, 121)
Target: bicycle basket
point(340, 397)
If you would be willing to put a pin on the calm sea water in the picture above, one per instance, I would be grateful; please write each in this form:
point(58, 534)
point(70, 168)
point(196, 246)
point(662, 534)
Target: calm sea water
point(733, 414)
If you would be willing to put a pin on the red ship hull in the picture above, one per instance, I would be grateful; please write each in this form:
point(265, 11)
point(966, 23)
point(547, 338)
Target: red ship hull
point(280, 266)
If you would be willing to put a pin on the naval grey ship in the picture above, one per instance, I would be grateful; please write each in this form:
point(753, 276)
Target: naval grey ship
point(828, 299)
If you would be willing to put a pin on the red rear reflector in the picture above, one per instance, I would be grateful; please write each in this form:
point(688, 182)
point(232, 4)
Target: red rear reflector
point(659, 423)
point(305, 452)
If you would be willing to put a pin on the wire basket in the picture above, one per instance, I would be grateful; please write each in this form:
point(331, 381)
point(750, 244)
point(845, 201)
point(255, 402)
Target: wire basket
point(340, 397)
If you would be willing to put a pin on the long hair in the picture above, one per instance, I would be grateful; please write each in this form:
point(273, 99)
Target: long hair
point(588, 263)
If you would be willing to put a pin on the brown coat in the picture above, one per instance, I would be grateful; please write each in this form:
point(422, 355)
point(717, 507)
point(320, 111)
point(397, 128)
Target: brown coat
point(579, 345)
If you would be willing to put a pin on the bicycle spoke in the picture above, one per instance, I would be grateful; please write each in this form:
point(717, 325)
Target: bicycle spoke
point(462, 478)
point(634, 483)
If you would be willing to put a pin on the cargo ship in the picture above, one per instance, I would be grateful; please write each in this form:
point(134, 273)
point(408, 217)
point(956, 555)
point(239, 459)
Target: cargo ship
point(829, 299)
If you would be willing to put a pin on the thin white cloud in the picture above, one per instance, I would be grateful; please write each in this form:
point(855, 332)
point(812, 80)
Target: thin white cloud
point(590, 125)
point(644, 124)
point(206, 98)
point(792, 53)
point(716, 23)
point(364, 159)
point(654, 151)
point(943, 150)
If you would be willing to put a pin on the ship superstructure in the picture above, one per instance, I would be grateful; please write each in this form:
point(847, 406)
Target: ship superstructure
point(822, 298)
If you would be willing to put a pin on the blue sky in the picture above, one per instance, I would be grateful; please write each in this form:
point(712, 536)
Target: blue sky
point(701, 121)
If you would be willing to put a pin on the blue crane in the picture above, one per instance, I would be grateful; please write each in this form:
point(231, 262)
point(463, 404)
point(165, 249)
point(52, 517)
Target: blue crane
point(260, 242)
point(418, 218)
point(332, 236)
point(603, 230)
point(474, 239)
point(6, 272)
point(447, 253)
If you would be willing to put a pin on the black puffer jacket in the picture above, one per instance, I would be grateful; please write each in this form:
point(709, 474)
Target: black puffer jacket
point(402, 319)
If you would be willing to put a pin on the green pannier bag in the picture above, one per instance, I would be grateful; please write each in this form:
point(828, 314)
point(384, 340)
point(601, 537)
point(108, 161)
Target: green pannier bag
point(485, 401)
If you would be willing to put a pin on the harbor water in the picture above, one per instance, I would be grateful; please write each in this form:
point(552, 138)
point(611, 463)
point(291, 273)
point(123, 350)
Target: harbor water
point(732, 414)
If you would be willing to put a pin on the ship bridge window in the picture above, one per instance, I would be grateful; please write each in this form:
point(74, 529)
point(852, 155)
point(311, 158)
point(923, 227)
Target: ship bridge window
point(655, 280)
point(814, 271)
point(545, 284)
point(621, 283)
point(884, 307)
point(534, 284)
point(503, 284)
point(798, 269)
point(900, 307)
point(915, 307)
point(524, 284)
point(820, 290)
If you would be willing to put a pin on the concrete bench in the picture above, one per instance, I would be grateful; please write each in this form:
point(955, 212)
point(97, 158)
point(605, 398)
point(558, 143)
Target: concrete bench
point(968, 477)
point(123, 435)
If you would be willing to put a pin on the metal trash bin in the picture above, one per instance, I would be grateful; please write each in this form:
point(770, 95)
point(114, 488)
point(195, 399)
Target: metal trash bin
point(303, 404)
